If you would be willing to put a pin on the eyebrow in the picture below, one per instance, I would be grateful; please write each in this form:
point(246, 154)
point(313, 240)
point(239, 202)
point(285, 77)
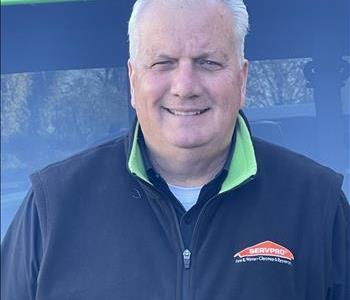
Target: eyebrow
point(210, 54)
point(205, 54)
point(162, 56)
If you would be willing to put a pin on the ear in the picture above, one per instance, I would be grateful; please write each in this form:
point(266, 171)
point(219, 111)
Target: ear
point(131, 73)
point(243, 78)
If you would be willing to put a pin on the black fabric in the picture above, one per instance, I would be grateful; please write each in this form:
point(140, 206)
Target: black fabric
point(187, 220)
point(89, 229)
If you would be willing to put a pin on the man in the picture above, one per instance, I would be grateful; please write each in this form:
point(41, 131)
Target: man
point(195, 208)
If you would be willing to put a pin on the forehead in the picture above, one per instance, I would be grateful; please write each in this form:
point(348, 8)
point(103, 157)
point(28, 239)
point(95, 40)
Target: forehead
point(207, 27)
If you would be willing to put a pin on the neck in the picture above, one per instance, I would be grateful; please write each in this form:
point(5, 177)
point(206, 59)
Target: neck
point(189, 167)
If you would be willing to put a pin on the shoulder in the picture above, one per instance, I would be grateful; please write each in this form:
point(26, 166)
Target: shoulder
point(280, 162)
point(94, 159)
point(64, 186)
point(299, 184)
point(82, 172)
point(297, 179)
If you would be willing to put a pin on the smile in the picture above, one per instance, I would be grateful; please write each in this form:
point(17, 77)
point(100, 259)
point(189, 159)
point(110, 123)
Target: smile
point(186, 112)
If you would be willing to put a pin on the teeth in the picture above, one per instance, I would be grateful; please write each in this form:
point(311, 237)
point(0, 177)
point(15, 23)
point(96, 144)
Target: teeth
point(185, 113)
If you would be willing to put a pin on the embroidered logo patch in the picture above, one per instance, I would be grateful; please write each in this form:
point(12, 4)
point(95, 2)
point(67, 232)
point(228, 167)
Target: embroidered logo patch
point(266, 251)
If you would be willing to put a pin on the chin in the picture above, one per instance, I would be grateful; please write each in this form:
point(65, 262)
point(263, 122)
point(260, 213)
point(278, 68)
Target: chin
point(188, 142)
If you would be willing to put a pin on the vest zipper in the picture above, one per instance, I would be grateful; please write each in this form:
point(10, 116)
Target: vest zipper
point(187, 258)
point(204, 208)
point(186, 253)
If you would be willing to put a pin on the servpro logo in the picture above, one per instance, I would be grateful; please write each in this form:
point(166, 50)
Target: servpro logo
point(266, 251)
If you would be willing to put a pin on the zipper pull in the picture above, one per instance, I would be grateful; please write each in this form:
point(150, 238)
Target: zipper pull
point(187, 258)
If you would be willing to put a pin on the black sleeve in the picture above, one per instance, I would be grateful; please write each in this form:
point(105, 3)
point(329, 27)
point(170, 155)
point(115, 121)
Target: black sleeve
point(21, 252)
point(341, 252)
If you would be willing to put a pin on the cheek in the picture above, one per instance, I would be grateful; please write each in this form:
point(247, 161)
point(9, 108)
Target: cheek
point(151, 90)
point(225, 94)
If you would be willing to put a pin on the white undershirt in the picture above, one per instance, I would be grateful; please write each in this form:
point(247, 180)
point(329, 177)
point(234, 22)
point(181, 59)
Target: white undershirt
point(188, 196)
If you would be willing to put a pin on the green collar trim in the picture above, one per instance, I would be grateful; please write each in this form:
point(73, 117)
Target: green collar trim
point(135, 163)
point(243, 164)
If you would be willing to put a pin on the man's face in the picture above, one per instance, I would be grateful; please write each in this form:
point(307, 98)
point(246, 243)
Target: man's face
point(186, 82)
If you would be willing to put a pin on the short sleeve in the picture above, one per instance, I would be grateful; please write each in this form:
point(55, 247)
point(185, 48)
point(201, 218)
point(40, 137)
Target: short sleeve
point(21, 252)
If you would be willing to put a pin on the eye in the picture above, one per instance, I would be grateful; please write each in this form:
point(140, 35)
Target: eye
point(209, 65)
point(162, 65)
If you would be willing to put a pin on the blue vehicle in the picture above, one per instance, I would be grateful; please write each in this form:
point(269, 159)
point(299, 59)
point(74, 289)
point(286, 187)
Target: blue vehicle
point(64, 84)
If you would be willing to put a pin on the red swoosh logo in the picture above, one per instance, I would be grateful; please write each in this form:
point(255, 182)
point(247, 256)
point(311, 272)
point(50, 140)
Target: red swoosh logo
point(266, 248)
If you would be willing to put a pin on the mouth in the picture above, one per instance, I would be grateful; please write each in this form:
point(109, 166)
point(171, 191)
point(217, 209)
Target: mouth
point(187, 112)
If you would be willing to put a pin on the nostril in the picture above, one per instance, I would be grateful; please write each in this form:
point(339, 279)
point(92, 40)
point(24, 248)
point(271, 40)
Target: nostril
point(186, 97)
point(189, 92)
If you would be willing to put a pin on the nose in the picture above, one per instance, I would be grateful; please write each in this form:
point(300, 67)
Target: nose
point(185, 82)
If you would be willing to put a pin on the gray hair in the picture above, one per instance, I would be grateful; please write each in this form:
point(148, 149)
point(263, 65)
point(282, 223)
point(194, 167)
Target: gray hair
point(237, 9)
